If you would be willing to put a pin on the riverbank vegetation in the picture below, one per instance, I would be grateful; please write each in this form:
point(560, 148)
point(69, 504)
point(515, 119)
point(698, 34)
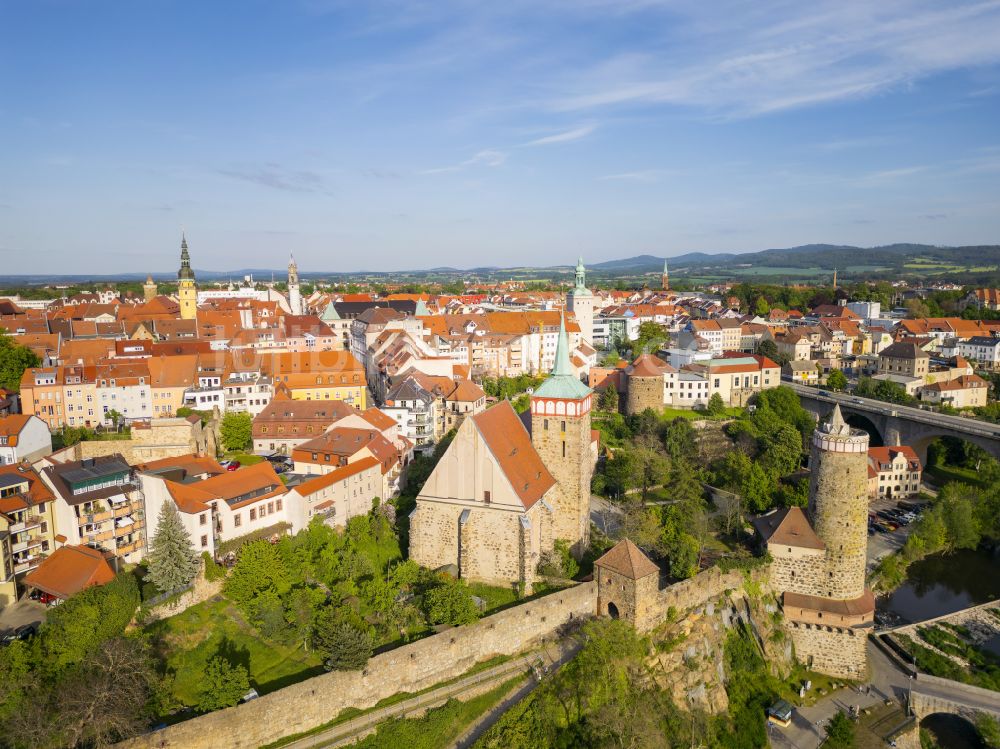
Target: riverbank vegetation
point(962, 517)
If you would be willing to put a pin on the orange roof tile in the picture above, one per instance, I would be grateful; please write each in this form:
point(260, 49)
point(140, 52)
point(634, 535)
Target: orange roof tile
point(70, 569)
point(508, 440)
point(627, 559)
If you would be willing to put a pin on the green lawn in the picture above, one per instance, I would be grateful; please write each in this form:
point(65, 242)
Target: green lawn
point(943, 474)
point(187, 641)
point(246, 459)
point(438, 727)
point(685, 413)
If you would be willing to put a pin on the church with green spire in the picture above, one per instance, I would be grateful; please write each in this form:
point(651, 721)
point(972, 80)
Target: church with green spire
point(580, 301)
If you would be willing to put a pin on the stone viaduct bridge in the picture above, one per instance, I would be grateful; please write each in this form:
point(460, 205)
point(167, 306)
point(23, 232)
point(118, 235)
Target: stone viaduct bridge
point(900, 425)
point(930, 695)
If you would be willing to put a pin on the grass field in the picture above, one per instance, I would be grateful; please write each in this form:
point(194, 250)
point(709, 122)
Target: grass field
point(943, 474)
point(439, 726)
point(187, 641)
point(246, 459)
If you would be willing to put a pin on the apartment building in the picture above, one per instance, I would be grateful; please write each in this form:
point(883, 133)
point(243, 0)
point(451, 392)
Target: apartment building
point(98, 503)
point(893, 472)
point(23, 437)
point(27, 527)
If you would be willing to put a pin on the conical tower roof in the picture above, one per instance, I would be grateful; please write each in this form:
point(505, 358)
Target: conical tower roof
point(563, 383)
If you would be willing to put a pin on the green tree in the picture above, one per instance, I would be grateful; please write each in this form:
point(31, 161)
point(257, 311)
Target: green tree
point(840, 732)
point(450, 603)
point(758, 489)
point(14, 359)
point(650, 337)
point(768, 348)
point(761, 307)
point(80, 624)
point(237, 431)
point(620, 472)
point(259, 569)
point(716, 406)
point(989, 730)
point(171, 559)
point(608, 400)
point(223, 685)
point(348, 648)
point(652, 469)
point(836, 380)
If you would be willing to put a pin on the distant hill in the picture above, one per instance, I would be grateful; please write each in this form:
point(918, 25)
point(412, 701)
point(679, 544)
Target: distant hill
point(825, 256)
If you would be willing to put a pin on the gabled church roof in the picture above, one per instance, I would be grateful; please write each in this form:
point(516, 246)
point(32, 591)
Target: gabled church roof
point(788, 526)
point(510, 444)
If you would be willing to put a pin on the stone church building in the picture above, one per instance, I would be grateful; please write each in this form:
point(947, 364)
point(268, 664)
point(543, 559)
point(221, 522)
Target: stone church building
point(507, 488)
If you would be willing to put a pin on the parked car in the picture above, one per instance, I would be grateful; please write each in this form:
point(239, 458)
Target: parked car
point(232, 465)
point(23, 632)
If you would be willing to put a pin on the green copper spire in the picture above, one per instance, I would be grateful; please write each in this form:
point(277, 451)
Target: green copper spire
point(185, 271)
point(562, 366)
point(562, 383)
point(580, 289)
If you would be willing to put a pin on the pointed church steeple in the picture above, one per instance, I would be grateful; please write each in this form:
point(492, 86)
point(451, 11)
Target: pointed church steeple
point(185, 271)
point(562, 365)
point(562, 382)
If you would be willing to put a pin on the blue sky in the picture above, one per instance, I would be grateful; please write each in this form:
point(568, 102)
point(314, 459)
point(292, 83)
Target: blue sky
point(392, 135)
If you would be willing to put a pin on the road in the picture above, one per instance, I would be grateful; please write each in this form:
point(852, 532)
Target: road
point(970, 426)
point(808, 728)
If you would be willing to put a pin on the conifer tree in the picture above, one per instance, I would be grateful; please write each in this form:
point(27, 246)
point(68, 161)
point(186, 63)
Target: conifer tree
point(172, 561)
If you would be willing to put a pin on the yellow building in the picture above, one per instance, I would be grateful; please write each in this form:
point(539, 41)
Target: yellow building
point(321, 375)
point(187, 292)
point(27, 527)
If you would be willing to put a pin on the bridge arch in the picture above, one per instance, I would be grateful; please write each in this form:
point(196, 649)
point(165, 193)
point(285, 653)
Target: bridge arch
point(953, 730)
point(862, 422)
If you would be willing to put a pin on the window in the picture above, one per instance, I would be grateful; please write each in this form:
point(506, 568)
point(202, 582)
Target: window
point(277, 505)
point(270, 508)
point(486, 497)
point(563, 426)
point(203, 519)
point(253, 513)
point(237, 520)
point(204, 541)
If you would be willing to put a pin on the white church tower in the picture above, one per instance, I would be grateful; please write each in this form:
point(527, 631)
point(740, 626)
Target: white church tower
point(294, 295)
point(581, 303)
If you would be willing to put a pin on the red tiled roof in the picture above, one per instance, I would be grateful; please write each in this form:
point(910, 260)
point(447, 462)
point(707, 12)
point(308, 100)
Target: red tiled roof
point(70, 569)
point(510, 444)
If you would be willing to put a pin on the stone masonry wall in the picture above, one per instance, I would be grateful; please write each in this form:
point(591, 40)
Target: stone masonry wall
point(410, 668)
point(831, 650)
point(567, 456)
point(695, 591)
point(799, 570)
point(643, 393)
point(838, 509)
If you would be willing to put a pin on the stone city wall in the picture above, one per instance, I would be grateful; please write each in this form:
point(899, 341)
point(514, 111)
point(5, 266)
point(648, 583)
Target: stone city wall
point(696, 591)
point(831, 650)
point(409, 668)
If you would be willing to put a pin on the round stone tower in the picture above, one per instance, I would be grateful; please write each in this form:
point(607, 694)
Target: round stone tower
point(838, 504)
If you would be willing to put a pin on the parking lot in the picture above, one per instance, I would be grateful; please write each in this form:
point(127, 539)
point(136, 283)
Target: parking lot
point(880, 544)
point(24, 611)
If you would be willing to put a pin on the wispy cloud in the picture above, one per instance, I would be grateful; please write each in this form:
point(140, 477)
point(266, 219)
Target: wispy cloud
point(645, 175)
point(488, 157)
point(566, 136)
point(277, 177)
point(746, 64)
point(889, 175)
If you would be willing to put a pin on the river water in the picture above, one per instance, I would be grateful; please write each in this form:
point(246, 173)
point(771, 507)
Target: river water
point(945, 583)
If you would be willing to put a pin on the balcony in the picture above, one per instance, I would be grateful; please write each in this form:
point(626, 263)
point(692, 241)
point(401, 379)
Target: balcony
point(33, 521)
point(129, 548)
point(131, 528)
point(25, 544)
point(96, 538)
point(91, 519)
